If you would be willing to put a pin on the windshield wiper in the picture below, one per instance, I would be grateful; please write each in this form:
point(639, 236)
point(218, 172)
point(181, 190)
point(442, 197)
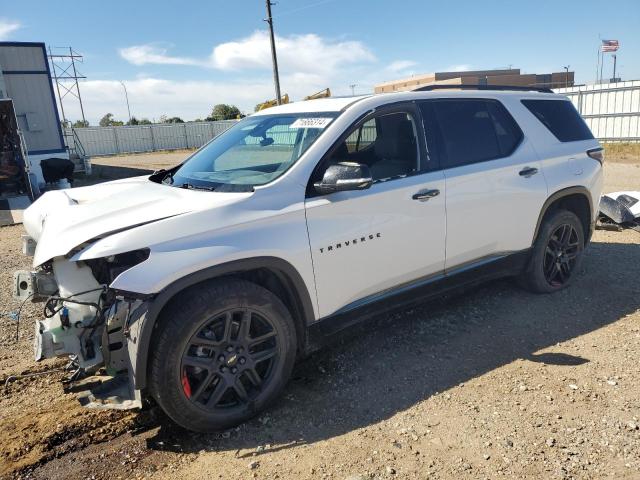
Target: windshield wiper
point(165, 176)
point(195, 187)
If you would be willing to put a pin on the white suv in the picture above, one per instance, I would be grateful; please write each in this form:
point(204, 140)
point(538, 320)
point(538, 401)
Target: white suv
point(202, 284)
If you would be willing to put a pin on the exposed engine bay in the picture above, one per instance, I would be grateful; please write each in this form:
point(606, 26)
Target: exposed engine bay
point(95, 274)
point(83, 318)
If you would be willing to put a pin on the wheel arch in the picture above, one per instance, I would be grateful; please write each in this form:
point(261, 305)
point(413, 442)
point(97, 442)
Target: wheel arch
point(272, 273)
point(574, 199)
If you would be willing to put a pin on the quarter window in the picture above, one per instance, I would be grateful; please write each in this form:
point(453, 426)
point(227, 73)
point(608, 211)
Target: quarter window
point(561, 118)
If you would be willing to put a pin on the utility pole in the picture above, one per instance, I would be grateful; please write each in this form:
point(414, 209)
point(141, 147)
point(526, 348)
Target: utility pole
point(276, 76)
point(353, 89)
point(126, 96)
point(566, 75)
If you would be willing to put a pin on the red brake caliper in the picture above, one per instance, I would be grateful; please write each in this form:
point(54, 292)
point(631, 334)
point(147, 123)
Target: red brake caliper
point(185, 384)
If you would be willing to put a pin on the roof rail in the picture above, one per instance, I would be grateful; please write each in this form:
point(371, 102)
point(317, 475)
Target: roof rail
point(516, 88)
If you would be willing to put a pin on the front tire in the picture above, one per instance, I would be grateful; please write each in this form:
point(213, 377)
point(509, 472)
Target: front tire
point(556, 254)
point(223, 351)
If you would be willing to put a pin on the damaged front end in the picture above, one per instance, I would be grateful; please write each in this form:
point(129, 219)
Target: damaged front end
point(86, 320)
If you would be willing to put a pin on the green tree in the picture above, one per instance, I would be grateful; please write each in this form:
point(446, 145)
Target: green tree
point(80, 124)
point(139, 121)
point(222, 111)
point(174, 120)
point(109, 121)
point(106, 120)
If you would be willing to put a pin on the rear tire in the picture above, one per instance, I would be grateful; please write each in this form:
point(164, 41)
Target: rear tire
point(223, 351)
point(556, 254)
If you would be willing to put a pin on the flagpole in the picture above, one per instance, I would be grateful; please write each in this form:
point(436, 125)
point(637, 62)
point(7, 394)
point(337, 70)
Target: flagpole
point(597, 64)
point(601, 66)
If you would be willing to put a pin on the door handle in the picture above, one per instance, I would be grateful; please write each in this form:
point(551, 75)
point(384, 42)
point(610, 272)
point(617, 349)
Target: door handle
point(527, 172)
point(424, 195)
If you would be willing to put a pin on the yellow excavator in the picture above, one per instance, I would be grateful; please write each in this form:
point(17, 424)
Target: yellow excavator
point(285, 99)
point(272, 103)
point(321, 94)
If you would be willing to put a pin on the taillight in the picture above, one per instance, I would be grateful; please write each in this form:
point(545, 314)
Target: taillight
point(597, 154)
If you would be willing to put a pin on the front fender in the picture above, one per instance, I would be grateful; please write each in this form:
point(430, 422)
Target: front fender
point(143, 320)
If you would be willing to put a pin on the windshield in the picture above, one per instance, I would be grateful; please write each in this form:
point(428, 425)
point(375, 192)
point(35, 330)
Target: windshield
point(253, 152)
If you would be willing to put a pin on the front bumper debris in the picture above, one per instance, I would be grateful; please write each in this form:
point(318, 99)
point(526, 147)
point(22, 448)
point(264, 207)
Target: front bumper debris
point(37, 286)
point(53, 339)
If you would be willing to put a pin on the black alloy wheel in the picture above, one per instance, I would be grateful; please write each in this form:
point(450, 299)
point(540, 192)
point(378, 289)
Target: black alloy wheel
point(222, 351)
point(228, 360)
point(556, 253)
point(561, 254)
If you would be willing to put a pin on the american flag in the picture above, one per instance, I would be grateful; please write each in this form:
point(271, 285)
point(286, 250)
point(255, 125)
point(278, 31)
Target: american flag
point(610, 45)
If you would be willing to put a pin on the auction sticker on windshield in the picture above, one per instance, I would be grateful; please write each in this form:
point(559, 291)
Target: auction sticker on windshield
point(311, 122)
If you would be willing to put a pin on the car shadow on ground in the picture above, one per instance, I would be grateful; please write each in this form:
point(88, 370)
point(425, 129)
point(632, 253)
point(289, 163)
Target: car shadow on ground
point(393, 363)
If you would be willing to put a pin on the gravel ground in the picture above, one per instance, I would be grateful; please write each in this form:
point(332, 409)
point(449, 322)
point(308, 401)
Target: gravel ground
point(493, 383)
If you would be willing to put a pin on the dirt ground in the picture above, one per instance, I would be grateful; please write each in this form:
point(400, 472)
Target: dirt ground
point(494, 383)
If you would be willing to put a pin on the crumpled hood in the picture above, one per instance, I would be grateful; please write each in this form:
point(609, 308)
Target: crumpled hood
point(64, 219)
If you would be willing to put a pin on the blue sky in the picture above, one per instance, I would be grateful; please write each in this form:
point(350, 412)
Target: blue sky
point(180, 58)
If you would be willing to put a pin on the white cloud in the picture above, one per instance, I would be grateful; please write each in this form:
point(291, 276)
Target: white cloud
point(308, 53)
point(154, 54)
point(152, 97)
point(463, 67)
point(401, 65)
point(308, 63)
point(7, 27)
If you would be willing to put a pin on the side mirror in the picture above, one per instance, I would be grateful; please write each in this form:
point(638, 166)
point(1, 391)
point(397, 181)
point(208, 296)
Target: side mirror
point(344, 176)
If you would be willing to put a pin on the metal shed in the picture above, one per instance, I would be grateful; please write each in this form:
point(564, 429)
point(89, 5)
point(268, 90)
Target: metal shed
point(26, 79)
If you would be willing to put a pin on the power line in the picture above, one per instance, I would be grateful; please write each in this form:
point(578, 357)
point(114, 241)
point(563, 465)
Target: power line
point(294, 10)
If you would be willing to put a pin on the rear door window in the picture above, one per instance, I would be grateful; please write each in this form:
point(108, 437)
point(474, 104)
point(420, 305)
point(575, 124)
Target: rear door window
point(508, 133)
point(561, 118)
point(473, 130)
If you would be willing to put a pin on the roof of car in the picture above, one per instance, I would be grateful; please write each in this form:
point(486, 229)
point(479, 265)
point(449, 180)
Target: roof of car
point(331, 104)
point(336, 104)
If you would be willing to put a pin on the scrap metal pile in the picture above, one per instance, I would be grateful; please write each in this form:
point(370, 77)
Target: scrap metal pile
point(620, 210)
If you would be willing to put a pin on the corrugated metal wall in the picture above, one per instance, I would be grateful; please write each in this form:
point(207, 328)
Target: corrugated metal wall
point(28, 84)
point(149, 138)
point(611, 110)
